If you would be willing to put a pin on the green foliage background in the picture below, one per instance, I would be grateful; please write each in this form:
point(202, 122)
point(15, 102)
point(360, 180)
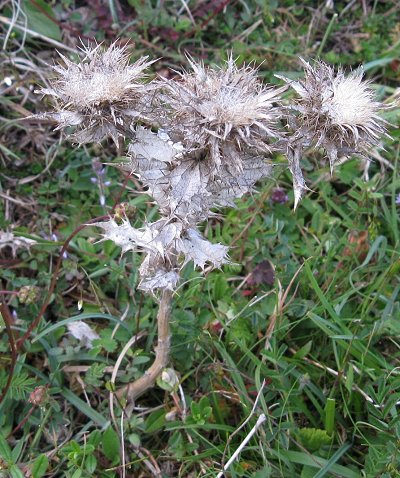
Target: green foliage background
point(323, 333)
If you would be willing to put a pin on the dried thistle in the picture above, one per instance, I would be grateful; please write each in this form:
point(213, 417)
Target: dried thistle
point(221, 113)
point(332, 111)
point(221, 121)
point(219, 127)
point(100, 96)
point(186, 193)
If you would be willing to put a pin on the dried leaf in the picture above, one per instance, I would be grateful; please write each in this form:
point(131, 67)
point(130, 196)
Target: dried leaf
point(81, 331)
point(7, 239)
point(96, 133)
point(161, 280)
point(183, 185)
point(263, 273)
point(150, 146)
point(63, 117)
point(201, 251)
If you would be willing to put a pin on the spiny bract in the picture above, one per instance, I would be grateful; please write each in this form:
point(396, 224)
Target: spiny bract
point(221, 113)
point(332, 111)
point(101, 95)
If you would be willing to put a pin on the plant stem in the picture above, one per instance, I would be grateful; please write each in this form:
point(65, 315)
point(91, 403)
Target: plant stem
point(8, 322)
point(134, 389)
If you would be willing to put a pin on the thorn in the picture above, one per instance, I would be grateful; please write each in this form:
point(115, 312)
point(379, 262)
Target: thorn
point(297, 198)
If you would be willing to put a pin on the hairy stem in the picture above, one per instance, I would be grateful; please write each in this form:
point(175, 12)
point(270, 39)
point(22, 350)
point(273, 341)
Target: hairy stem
point(134, 389)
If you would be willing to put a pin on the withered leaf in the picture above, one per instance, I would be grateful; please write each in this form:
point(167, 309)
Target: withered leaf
point(263, 273)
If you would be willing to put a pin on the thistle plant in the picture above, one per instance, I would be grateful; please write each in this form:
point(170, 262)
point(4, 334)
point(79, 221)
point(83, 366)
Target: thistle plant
point(199, 142)
point(333, 111)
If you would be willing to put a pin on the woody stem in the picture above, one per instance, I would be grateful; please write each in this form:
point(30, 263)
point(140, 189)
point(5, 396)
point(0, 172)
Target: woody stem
point(135, 389)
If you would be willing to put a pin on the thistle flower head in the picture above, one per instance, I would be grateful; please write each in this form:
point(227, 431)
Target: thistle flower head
point(337, 112)
point(332, 111)
point(221, 112)
point(100, 95)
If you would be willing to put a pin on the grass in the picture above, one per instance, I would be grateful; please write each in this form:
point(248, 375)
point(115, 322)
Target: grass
point(315, 333)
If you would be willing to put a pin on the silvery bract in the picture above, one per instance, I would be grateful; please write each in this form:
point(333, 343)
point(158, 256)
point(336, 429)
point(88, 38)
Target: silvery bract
point(221, 114)
point(335, 112)
point(100, 96)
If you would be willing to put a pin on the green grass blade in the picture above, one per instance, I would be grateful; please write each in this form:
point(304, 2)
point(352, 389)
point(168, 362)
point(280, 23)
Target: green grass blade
point(78, 317)
point(84, 408)
point(330, 415)
point(316, 462)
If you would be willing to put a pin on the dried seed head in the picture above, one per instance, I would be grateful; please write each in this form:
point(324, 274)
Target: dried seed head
point(101, 95)
point(332, 111)
point(38, 397)
point(220, 113)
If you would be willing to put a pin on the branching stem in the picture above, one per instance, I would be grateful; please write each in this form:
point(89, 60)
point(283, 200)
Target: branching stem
point(135, 389)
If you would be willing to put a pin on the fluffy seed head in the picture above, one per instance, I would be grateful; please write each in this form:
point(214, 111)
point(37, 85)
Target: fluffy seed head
point(103, 76)
point(220, 112)
point(332, 111)
point(100, 95)
point(337, 112)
